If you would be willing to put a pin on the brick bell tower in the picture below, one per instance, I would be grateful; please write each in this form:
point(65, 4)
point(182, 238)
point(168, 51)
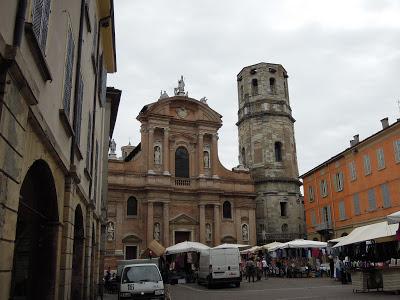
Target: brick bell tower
point(267, 147)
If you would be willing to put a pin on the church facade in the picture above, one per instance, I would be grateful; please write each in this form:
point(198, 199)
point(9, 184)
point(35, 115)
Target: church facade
point(172, 187)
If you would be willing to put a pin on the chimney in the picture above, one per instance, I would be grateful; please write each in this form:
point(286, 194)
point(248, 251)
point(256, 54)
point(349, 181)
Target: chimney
point(356, 139)
point(352, 143)
point(385, 123)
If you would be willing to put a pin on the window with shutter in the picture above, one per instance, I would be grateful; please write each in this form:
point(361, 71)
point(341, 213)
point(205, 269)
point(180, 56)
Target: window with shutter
point(367, 165)
point(95, 172)
point(89, 143)
point(397, 150)
point(381, 158)
point(78, 116)
point(310, 193)
point(313, 218)
point(371, 199)
point(352, 169)
point(385, 195)
point(40, 21)
point(356, 204)
point(103, 86)
point(342, 211)
point(69, 63)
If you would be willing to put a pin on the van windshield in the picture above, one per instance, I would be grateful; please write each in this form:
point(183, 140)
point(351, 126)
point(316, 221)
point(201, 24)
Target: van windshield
point(141, 274)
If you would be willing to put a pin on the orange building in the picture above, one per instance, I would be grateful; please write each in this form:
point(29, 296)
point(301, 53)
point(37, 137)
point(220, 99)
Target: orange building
point(359, 186)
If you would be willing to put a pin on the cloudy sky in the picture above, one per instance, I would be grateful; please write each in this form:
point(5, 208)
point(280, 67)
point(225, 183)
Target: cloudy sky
point(342, 57)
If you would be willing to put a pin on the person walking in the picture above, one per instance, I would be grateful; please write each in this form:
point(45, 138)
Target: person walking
point(250, 269)
point(265, 267)
point(331, 266)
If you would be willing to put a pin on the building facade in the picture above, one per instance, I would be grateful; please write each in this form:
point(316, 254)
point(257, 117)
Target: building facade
point(359, 186)
point(56, 119)
point(172, 187)
point(267, 147)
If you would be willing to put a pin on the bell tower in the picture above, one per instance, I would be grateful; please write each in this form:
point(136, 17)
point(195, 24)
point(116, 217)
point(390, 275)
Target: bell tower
point(267, 147)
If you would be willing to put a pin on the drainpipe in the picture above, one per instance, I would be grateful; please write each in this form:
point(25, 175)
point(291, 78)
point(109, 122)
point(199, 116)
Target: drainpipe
point(19, 23)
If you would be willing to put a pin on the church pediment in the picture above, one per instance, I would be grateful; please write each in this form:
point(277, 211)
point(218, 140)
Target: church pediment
point(131, 238)
point(183, 219)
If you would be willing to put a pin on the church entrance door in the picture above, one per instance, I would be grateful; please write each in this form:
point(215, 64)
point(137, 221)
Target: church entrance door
point(181, 236)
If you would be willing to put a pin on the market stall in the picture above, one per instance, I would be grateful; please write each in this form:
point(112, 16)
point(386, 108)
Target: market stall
point(373, 259)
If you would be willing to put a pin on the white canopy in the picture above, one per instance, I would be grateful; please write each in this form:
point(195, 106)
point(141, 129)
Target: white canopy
point(271, 245)
point(251, 250)
point(394, 218)
point(368, 232)
point(186, 247)
point(239, 246)
point(337, 240)
point(299, 243)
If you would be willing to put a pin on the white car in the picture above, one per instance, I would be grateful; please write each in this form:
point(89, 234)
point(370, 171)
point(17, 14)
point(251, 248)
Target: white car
point(141, 281)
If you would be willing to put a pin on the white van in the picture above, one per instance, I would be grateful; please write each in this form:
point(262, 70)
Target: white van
point(219, 266)
point(141, 280)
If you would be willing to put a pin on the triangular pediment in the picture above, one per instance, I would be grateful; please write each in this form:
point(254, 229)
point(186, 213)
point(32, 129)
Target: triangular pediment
point(183, 219)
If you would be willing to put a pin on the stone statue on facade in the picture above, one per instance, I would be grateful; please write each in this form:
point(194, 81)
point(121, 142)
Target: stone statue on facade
point(208, 232)
point(113, 148)
point(180, 90)
point(157, 231)
point(157, 155)
point(110, 231)
point(245, 232)
point(206, 159)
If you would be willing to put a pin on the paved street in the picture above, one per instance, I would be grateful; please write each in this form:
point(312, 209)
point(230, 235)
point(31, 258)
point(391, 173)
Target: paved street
point(274, 288)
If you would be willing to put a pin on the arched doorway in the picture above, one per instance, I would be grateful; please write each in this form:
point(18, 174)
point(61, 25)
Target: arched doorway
point(35, 251)
point(77, 256)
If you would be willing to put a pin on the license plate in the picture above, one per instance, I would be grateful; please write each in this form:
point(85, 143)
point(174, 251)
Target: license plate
point(131, 287)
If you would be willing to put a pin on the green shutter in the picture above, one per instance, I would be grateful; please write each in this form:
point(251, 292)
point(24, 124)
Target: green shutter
point(78, 116)
point(37, 12)
point(45, 24)
point(371, 199)
point(89, 142)
point(356, 203)
point(385, 195)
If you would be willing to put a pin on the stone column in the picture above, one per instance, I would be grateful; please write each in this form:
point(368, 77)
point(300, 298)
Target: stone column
point(217, 232)
point(151, 152)
point(238, 221)
point(202, 227)
point(166, 152)
point(166, 224)
point(149, 222)
point(200, 156)
point(252, 225)
point(214, 155)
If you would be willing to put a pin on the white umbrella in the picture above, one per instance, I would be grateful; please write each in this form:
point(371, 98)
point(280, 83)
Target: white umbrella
point(299, 243)
point(239, 246)
point(393, 218)
point(251, 250)
point(271, 245)
point(186, 247)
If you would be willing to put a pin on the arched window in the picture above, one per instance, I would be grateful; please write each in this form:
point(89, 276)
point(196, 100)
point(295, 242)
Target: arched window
point(181, 163)
point(243, 154)
point(131, 207)
point(272, 85)
point(254, 87)
point(285, 228)
point(227, 210)
point(278, 151)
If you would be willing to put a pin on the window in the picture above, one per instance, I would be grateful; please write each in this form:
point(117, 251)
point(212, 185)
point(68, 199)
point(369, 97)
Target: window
point(69, 65)
point(89, 143)
point(283, 209)
point(241, 93)
point(254, 87)
point(40, 21)
point(367, 165)
point(381, 158)
point(78, 116)
point(324, 188)
point(326, 217)
point(131, 207)
point(352, 170)
point(102, 79)
point(227, 210)
point(272, 85)
point(310, 193)
point(181, 163)
point(371, 199)
point(285, 228)
point(356, 204)
point(313, 218)
point(338, 181)
point(385, 195)
point(96, 162)
point(342, 210)
point(278, 151)
point(396, 145)
point(130, 252)
point(243, 155)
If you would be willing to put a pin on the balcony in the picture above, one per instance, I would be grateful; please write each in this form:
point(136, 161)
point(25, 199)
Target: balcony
point(325, 226)
point(182, 182)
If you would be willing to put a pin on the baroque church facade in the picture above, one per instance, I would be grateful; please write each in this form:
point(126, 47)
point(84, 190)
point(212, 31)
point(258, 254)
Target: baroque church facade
point(172, 187)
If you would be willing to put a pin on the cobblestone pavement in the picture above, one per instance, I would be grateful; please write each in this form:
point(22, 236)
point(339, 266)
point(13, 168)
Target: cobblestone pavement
point(273, 288)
